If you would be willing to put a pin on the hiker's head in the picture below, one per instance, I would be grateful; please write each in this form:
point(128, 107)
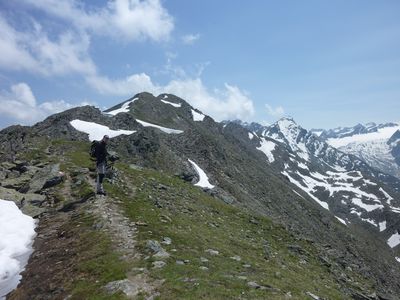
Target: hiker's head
point(105, 139)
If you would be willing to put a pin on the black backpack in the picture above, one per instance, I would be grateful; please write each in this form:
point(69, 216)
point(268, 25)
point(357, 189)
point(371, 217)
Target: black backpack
point(93, 147)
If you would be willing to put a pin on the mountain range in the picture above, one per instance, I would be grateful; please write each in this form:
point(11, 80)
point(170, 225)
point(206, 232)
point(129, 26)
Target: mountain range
point(342, 207)
point(376, 144)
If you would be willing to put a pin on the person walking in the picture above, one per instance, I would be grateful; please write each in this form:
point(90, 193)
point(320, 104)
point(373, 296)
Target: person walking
point(101, 155)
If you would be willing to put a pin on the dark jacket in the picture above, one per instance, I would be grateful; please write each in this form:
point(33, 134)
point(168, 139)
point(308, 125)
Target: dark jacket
point(101, 152)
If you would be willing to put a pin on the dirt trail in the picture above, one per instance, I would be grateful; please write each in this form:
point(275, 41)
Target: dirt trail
point(122, 232)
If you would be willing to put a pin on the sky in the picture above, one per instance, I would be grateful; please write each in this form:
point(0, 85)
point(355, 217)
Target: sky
point(324, 63)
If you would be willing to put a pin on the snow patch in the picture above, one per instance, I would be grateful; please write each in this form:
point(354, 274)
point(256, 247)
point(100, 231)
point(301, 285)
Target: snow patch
point(382, 226)
point(251, 136)
point(197, 116)
point(16, 236)
point(301, 165)
point(394, 240)
point(124, 108)
point(367, 207)
point(164, 129)
point(372, 222)
point(267, 147)
point(203, 178)
point(171, 103)
point(398, 259)
point(97, 131)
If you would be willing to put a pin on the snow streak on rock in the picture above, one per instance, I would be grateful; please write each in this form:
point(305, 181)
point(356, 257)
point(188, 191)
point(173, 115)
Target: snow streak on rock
point(97, 131)
point(164, 129)
point(123, 108)
point(307, 190)
point(203, 178)
point(171, 103)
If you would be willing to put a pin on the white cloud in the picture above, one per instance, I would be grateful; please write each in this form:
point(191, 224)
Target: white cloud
point(190, 39)
point(125, 19)
point(35, 52)
point(20, 105)
point(276, 112)
point(228, 103)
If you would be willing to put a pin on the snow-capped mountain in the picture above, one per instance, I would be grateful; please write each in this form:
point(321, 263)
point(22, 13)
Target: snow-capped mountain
point(377, 145)
point(341, 183)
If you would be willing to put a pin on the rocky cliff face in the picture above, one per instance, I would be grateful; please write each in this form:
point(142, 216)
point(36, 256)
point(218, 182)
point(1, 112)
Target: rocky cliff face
point(282, 173)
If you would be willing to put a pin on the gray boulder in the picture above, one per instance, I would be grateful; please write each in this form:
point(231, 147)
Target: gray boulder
point(41, 177)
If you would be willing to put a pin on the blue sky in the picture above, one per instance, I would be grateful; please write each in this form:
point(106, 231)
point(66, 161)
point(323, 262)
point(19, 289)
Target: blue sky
point(325, 63)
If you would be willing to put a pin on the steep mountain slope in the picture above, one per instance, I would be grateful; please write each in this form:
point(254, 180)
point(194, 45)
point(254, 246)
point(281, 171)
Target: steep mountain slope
point(354, 192)
point(369, 142)
point(261, 176)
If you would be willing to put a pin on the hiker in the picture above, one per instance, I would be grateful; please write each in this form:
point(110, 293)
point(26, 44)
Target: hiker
point(101, 154)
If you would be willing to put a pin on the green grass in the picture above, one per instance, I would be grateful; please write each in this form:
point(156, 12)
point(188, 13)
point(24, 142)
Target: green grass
point(98, 263)
point(200, 222)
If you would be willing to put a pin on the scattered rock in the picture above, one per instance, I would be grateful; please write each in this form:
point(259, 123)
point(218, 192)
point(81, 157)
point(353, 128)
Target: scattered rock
point(203, 259)
point(267, 250)
point(42, 176)
point(246, 266)
point(242, 277)
point(254, 221)
point(212, 252)
point(253, 285)
point(296, 249)
point(155, 247)
point(125, 286)
point(236, 257)
point(140, 223)
point(165, 218)
point(203, 268)
point(180, 262)
point(158, 264)
point(312, 296)
point(162, 187)
point(166, 241)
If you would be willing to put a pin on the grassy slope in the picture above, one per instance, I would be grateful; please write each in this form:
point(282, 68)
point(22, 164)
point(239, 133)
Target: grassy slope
point(195, 222)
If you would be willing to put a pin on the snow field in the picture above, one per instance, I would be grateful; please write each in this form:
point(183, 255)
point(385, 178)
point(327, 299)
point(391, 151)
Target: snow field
point(267, 147)
point(97, 131)
point(17, 232)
